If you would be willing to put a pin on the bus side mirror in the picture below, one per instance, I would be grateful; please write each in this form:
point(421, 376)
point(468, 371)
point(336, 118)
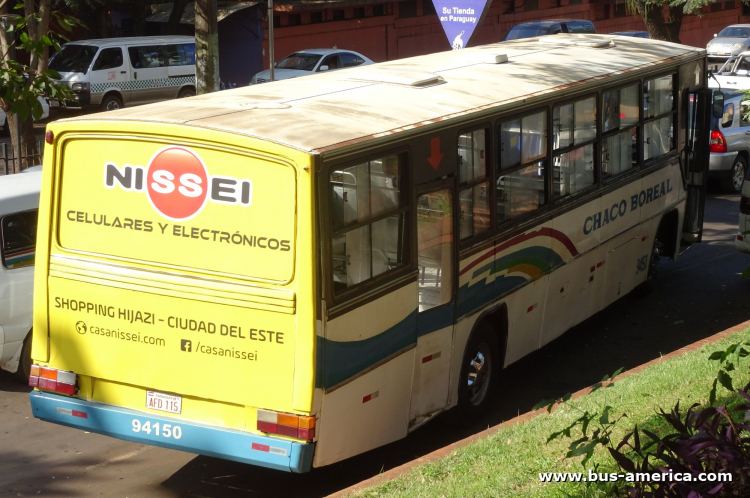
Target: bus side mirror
point(718, 107)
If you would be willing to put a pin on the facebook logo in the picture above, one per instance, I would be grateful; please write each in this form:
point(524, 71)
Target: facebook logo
point(186, 345)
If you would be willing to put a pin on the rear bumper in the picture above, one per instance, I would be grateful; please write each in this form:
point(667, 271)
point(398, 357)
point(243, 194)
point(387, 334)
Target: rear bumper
point(193, 437)
point(742, 243)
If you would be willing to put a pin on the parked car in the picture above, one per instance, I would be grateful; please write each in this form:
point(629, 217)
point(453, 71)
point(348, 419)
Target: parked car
point(115, 72)
point(19, 203)
point(730, 41)
point(730, 142)
point(306, 62)
point(636, 34)
point(550, 27)
point(3, 118)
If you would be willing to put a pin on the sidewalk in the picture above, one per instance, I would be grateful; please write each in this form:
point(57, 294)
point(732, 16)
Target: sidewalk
point(447, 450)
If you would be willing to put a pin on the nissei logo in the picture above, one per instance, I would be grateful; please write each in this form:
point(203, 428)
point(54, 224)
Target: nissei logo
point(177, 183)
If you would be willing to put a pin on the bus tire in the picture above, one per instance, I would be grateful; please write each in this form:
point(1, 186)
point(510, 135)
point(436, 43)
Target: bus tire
point(653, 268)
point(478, 380)
point(111, 102)
point(24, 363)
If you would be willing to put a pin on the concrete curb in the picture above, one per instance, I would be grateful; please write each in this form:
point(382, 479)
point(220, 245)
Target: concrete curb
point(447, 450)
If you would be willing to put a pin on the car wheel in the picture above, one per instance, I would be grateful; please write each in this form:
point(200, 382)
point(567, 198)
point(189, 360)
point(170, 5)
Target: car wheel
point(111, 103)
point(186, 92)
point(733, 182)
point(479, 375)
point(24, 363)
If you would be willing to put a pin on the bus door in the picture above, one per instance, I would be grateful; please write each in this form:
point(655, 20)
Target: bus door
point(435, 317)
point(694, 163)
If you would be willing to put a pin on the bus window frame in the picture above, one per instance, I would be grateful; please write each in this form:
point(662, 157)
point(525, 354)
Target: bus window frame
point(639, 133)
point(489, 176)
point(450, 183)
point(377, 286)
point(501, 226)
point(559, 152)
point(643, 120)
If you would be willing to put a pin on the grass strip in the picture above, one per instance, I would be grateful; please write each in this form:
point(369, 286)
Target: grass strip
point(508, 463)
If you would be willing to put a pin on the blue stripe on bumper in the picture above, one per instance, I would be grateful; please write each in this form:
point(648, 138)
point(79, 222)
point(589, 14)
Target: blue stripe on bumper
point(194, 438)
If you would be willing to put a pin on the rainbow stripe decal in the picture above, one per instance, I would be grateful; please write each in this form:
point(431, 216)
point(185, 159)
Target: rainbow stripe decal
point(20, 258)
point(511, 264)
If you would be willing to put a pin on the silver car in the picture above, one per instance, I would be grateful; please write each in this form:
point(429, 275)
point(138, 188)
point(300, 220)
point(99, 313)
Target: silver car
point(730, 41)
point(730, 142)
point(306, 62)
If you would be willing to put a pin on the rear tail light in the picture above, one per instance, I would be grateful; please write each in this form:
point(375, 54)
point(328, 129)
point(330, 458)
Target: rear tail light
point(718, 142)
point(745, 205)
point(52, 379)
point(286, 424)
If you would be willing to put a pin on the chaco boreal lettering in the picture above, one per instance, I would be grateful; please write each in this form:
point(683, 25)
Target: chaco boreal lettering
point(621, 208)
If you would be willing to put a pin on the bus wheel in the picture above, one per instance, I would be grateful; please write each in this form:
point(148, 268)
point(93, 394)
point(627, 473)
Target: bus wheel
point(24, 363)
point(479, 373)
point(654, 260)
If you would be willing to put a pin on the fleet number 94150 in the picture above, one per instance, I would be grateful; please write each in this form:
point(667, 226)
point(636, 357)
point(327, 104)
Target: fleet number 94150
point(163, 430)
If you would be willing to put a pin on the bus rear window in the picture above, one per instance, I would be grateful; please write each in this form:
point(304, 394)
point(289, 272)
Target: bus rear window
point(197, 208)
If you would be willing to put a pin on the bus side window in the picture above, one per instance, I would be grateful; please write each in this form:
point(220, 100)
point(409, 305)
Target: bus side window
point(474, 194)
point(658, 111)
point(522, 170)
point(620, 130)
point(574, 133)
point(367, 220)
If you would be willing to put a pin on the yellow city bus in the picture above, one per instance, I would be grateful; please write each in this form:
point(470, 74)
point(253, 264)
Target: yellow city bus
point(293, 273)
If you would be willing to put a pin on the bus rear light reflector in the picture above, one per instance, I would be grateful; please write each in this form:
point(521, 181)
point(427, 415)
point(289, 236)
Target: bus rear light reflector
point(52, 379)
point(285, 430)
point(286, 424)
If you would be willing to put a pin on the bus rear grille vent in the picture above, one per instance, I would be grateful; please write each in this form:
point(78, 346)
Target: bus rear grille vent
point(416, 79)
point(578, 40)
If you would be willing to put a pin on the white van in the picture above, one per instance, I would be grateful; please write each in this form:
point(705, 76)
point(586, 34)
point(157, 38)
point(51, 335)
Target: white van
point(19, 204)
point(113, 73)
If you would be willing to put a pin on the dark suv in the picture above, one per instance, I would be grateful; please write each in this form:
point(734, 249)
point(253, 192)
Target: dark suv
point(551, 27)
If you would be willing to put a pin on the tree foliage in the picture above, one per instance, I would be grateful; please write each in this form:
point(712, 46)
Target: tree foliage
point(25, 36)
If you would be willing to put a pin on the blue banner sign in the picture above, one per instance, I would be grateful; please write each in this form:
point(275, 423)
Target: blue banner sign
point(459, 18)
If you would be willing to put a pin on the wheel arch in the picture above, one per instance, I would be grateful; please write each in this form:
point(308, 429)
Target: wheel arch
point(497, 316)
point(188, 86)
point(668, 233)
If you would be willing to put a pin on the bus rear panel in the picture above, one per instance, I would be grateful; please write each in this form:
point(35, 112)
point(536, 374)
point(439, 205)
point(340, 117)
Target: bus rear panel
point(173, 294)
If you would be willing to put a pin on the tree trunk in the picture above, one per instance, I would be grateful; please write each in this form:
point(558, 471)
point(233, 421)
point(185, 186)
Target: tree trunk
point(139, 17)
point(173, 24)
point(45, 6)
point(659, 28)
point(206, 46)
point(28, 142)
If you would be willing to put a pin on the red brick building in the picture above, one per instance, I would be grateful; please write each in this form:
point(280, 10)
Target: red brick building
point(393, 30)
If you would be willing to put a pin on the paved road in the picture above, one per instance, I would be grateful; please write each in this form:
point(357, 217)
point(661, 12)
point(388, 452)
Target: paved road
point(697, 296)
